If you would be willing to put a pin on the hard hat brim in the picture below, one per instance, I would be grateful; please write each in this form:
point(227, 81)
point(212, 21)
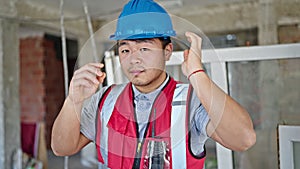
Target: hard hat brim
point(141, 36)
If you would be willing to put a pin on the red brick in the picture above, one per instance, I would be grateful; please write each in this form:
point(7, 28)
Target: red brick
point(42, 83)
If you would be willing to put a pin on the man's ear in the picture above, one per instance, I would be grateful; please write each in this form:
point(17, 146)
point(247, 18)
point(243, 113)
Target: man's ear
point(168, 51)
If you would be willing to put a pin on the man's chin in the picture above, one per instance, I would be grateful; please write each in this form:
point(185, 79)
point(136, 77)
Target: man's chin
point(137, 81)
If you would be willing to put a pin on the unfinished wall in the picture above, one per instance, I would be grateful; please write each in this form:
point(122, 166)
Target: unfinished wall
point(9, 93)
point(41, 89)
point(269, 90)
point(265, 16)
point(32, 75)
point(289, 33)
point(54, 85)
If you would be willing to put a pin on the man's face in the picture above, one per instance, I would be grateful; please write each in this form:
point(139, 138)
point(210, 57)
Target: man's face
point(143, 61)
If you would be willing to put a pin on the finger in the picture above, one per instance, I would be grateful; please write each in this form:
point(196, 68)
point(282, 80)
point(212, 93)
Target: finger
point(101, 78)
point(194, 39)
point(192, 36)
point(89, 68)
point(185, 54)
point(93, 67)
point(87, 75)
point(98, 65)
point(82, 82)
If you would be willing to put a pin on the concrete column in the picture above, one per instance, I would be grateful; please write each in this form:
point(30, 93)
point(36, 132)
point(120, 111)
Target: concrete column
point(267, 22)
point(9, 86)
point(269, 93)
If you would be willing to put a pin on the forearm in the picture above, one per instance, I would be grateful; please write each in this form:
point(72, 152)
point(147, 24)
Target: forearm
point(66, 129)
point(229, 123)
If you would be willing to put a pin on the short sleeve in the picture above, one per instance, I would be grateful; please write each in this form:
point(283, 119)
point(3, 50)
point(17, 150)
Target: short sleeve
point(89, 115)
point(199, 120)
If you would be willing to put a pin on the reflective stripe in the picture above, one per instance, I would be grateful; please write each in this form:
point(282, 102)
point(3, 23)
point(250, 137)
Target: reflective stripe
point(178, 127)
point(105, 114)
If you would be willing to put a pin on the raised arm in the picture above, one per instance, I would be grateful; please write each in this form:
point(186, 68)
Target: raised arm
point(230, 124)
point(66, 137)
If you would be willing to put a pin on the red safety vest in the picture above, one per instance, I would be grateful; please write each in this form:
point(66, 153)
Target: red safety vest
point(117, 131)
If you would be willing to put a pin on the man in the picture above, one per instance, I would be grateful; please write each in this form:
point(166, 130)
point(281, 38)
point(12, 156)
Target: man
point(153, 121)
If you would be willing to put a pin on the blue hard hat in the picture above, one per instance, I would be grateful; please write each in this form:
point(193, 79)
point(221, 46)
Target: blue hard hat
point(143, 19)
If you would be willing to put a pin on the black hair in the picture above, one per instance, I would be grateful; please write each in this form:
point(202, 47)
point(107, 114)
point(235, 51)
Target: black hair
point(164, 41)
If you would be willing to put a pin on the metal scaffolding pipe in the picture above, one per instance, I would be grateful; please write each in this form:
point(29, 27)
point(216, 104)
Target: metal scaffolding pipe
point(91, 31)
point(65, 62)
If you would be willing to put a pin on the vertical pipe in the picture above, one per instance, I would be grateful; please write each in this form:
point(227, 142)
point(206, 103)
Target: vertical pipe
point(64, 48)
point(65, 65)
point(91, 31)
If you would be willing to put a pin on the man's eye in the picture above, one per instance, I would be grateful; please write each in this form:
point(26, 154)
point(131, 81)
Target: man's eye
point(124, 51)
point(144, 49)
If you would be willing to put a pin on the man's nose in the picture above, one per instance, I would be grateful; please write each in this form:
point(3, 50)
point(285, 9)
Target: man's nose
point(135, 56)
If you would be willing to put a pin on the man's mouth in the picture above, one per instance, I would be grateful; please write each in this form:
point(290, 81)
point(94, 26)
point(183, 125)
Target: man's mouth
point(136, 72)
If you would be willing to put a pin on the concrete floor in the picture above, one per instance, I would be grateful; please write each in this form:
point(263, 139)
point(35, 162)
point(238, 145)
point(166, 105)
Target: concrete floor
point(55, 162)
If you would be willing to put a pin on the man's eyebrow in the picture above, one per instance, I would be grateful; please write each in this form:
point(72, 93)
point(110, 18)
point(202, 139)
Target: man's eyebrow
point(122, 43)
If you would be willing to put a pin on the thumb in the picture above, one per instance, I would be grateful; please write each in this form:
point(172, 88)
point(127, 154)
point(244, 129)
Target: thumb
point(195, 40)
point(185, 54)
point(101, 78)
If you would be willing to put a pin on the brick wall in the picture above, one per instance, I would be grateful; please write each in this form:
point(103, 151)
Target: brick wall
point(41, 84)
point(289, 34)
point(32, 72)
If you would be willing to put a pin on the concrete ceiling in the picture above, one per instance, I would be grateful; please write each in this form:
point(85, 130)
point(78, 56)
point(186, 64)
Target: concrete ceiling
point(106, 9)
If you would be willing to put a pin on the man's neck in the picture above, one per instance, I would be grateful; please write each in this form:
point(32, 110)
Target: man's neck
point(155, 84)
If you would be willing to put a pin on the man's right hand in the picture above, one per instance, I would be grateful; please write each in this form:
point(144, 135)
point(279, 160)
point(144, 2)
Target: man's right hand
point(85, 82)
point(66, 136)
